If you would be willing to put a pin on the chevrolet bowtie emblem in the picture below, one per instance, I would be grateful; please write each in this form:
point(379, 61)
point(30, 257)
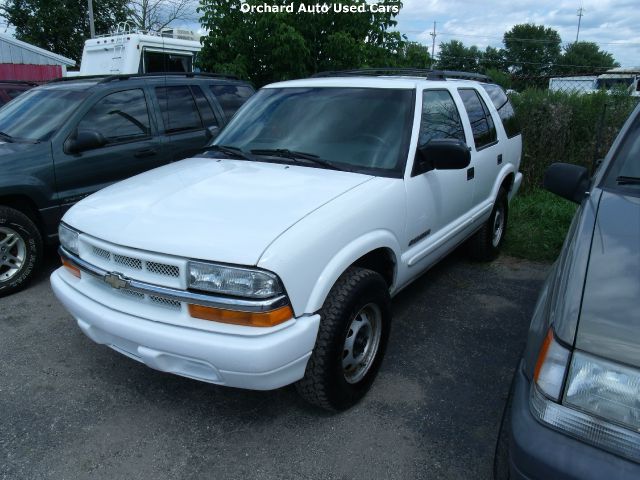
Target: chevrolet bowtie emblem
point(116, 280)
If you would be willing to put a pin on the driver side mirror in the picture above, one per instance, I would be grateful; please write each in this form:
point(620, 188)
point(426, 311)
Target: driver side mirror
point(567, 180)
point(84, 140)
point(441, 154)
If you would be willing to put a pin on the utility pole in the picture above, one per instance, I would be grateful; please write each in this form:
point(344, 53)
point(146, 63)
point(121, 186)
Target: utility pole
point(580, 14)
point(433, 43)
point(92, 27)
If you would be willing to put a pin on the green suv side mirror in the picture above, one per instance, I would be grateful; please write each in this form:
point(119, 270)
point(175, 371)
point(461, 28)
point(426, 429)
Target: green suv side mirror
point(567, 180)
point(84, 140)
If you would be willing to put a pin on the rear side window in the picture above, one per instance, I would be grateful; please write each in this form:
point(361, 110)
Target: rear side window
point(14, 92)
point(179, 111)
point(119, 117)
point(440, 117)
point(231, 97)
point(206, 114)
point(484, 131)
point(504, 108)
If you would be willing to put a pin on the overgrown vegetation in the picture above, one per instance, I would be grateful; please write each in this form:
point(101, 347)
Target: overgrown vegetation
point(562, 127)
point(538, 223)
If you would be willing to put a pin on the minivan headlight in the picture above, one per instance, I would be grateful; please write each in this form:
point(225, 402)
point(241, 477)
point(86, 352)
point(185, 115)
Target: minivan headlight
point(68, 238)
point(236, 281)
point(605, 389)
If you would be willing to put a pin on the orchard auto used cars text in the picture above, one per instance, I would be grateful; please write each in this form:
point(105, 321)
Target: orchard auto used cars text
point(319, 8)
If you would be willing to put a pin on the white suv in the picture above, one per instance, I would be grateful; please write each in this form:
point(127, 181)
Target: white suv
point(271, 258)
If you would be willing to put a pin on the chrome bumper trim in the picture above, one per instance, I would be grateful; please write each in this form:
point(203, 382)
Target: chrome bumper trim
point(226, 303)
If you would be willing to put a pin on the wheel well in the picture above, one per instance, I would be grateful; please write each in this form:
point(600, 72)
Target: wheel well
point(23, 204)
point(380, 260)
point(507, 183)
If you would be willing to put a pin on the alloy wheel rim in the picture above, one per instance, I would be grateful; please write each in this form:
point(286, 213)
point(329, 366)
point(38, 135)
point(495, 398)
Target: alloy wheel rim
point(498, 226)
point(13, 251)
point(361, 343)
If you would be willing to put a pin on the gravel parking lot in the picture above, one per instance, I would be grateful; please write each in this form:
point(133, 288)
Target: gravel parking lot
point(70, 409)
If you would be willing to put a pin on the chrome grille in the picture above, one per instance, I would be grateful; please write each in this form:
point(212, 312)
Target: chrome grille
point(165, 302)
point(131, 293)
point(154, 268)
point(102, 253)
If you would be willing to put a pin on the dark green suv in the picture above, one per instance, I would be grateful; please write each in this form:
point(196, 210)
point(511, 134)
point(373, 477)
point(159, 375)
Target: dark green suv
point(63, 141)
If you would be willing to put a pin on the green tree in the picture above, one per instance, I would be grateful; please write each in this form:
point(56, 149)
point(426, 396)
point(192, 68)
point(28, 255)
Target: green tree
point(492, 59)
point(454, 55)
point(531, 50)
point(266, 47)
point(62, 26)
point(414, 55)
point(585, 57)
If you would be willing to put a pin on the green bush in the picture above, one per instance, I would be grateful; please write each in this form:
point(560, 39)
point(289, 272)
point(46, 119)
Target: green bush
point(562, 127)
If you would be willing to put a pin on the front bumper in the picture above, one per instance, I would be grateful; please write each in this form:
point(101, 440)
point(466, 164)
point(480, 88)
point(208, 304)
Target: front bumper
point(538, 452)
point(264, 361)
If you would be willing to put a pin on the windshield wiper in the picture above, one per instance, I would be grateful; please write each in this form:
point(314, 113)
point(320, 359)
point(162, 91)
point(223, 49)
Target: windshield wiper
point(230, 151)
point(6, 137)
point(625, 180)
point(295, 155)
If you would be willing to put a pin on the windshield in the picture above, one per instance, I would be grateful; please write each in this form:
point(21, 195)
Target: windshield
point(624, 170)
point(37, 114)
point(363, 129)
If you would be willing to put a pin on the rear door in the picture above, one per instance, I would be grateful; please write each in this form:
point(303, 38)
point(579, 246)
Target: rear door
point(122, 118)
point(486, 150)
point(186, 119)
point(231, 97)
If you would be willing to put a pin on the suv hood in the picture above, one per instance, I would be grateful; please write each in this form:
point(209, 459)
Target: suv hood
point(610, 318)
point(209, 209)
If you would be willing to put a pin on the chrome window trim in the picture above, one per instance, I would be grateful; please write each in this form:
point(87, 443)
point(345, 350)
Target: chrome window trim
point(206, 300)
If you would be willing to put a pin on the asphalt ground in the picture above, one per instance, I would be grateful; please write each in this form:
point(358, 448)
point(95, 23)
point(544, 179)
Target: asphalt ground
point(71, 409)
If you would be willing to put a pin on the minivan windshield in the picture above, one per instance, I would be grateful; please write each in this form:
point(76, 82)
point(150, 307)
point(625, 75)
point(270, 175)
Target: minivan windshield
point(366, 130)
point(38, 113)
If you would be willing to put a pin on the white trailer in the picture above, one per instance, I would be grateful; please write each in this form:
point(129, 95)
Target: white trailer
point(130, 52)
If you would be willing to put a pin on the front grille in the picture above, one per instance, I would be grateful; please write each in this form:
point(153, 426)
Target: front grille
point(132, 263)
point(165, 302)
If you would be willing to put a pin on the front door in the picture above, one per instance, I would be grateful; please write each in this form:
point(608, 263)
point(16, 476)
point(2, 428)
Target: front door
point(122, 120)
point(438, 201)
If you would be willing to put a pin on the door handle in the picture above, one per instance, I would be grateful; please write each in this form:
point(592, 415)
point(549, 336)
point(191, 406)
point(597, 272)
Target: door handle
point(470, 173)
point(146, 152)
point(500, 159)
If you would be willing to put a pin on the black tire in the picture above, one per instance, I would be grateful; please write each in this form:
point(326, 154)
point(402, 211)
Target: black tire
point(28, 247)
point(482, 245)
point(325, 381)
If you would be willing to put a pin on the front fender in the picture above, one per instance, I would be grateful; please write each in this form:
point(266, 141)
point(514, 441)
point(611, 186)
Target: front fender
point(345, 258)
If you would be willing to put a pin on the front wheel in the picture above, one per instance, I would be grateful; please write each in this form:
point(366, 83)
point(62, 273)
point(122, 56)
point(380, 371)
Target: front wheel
point(20, 250)
point(486, 242)
point(352, 338)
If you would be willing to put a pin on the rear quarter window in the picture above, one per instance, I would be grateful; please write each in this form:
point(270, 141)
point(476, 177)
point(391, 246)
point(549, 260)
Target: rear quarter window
point(231, 97)
point(504, 108)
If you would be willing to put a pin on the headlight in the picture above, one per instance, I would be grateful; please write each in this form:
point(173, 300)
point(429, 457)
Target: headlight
point(68, 238)
point(605, 389)
point(236, 281)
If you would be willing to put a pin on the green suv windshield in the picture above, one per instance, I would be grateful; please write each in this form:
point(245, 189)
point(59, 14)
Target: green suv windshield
point(357, 129)
point(38, 113)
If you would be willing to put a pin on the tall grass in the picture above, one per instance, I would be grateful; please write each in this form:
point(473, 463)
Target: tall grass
point(565, 127)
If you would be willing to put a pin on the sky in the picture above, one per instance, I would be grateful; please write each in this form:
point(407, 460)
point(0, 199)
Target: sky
point(612, 24)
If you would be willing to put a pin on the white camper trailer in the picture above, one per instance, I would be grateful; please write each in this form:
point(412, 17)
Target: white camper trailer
point(621, 78)
point(129, 52)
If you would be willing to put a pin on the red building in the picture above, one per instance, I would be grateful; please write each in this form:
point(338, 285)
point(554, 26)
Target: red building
point(22, 61)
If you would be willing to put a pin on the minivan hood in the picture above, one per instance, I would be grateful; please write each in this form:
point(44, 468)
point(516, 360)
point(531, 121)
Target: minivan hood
point(209, 209)
point(610, 317)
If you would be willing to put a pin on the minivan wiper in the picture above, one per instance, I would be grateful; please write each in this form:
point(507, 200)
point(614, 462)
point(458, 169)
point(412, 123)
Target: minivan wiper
point(626, 180)
point(230, 151)
point(295, 155)
point(6, 137)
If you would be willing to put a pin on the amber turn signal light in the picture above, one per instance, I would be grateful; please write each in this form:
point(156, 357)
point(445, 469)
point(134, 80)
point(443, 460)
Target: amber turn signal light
point(75, 271)
point(249, 319)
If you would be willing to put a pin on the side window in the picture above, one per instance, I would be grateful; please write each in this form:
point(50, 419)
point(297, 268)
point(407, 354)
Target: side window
point(206, 114)
point(484, 131)
point(14, 92)
point(440, 117)
point(504, 108)
point(231, 97)
point(179, 111)
point(119, 117)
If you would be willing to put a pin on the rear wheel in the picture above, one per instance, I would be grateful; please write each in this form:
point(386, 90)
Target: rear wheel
point(20, 250)
point(486, 242)
point(352, 338)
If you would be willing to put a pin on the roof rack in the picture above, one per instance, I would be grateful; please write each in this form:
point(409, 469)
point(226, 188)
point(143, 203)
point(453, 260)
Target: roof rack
point(413, 72)
point(110, 78)
point(20, 82)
